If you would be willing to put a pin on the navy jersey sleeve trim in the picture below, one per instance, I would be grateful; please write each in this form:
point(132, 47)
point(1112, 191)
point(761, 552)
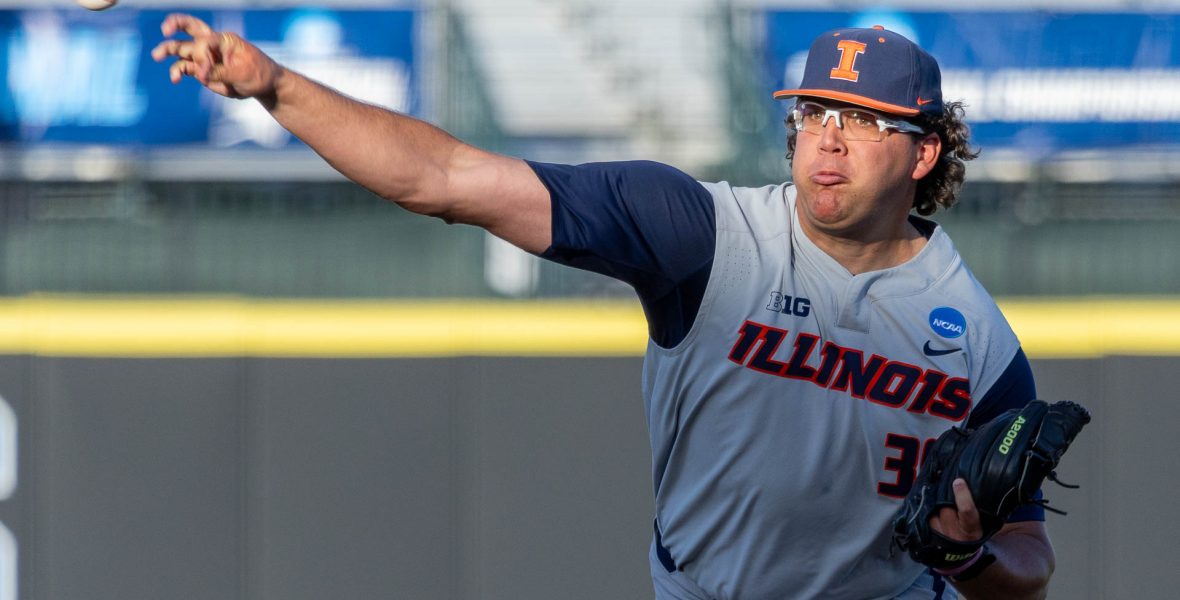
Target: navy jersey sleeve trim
point(1014, 389)
point(644, 223)
point(1028, 512)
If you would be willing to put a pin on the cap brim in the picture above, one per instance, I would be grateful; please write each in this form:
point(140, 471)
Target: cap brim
point(885, 107)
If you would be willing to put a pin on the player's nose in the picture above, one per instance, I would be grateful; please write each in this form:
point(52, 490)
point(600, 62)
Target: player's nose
point(831, 139)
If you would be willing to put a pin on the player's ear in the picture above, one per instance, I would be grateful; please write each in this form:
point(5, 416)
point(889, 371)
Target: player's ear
point(927, 151)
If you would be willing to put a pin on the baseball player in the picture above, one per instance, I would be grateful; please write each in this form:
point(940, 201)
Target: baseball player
point(807, 339)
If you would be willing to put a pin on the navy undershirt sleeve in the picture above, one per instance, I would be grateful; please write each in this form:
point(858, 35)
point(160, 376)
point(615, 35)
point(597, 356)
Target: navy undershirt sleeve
point(644, 223)
point(1014, 389)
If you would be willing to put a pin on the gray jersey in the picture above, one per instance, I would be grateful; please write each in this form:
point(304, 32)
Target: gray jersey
point(789, 422)
point(788, 401)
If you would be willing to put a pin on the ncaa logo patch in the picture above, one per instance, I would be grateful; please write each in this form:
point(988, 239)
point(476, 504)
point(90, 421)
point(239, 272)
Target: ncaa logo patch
point(948, 322)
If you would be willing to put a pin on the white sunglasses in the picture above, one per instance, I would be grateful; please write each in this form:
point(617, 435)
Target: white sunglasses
point(856, 123)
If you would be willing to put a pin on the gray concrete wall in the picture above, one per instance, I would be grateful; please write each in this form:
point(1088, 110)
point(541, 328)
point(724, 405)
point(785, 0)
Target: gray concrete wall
point(463, 478)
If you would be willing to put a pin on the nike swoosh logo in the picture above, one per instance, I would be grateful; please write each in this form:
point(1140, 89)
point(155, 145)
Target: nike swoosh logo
point(922, 102)
point(928, 351)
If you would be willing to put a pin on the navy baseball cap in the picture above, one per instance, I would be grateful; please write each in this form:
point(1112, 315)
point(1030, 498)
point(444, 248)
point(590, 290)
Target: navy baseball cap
point(874, 68)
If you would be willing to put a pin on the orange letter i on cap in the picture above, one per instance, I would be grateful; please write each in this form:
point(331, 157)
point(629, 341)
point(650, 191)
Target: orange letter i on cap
point(846, 69)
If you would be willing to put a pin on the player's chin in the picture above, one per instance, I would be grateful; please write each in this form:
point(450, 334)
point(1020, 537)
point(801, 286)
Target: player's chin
point(826, 205)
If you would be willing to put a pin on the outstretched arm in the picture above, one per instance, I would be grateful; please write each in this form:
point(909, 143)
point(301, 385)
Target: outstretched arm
point(412, 163)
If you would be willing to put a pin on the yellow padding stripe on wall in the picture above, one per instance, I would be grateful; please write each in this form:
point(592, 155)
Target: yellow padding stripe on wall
point(212, 327)
point(243, 327)
point(1093, 327)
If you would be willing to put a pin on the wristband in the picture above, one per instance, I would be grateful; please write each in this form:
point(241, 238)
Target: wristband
point(953, 571)
point(975, 566)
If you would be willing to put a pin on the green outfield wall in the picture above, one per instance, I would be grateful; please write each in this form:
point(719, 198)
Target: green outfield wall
point(229, 448)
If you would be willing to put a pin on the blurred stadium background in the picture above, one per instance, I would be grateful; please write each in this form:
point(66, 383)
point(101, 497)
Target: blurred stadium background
point(116, 181)
point(141, 206)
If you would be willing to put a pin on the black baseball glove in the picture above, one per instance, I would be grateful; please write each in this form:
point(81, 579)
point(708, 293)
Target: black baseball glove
point(1003, 462)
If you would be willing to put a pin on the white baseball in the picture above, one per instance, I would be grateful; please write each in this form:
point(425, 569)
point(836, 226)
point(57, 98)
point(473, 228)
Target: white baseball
point(96, 4)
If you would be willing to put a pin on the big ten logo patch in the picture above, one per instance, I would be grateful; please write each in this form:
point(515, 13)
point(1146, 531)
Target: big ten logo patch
point(788, 305)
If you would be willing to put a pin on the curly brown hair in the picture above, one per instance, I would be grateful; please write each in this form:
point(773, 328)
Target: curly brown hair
point(941, 186)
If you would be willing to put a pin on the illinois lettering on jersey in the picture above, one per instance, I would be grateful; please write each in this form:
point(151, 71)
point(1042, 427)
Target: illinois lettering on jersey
point(887, 382)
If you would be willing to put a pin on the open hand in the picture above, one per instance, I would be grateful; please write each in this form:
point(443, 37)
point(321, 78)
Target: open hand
point(223, 62)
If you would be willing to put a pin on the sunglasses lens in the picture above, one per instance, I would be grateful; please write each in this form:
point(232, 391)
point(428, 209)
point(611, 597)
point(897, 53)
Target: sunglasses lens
point(860, 125)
